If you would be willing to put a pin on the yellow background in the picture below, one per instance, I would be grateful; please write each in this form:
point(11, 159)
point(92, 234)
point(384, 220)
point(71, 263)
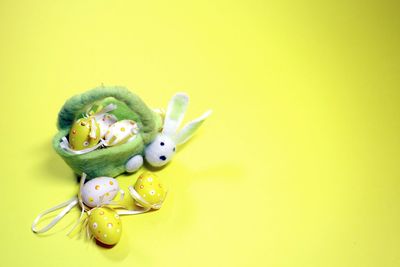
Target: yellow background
point(298, 165)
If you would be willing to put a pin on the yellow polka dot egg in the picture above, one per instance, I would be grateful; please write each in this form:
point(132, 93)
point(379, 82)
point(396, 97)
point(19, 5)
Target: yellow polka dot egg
point(105, 225)
point(84, 133)
point(99, 191)
point(121, 132)
point(148, 191)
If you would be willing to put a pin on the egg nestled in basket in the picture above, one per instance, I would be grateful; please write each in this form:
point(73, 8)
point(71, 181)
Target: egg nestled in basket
point(84, 133)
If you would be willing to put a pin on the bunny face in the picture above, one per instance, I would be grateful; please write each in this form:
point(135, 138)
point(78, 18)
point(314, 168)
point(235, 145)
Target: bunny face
point(160, 151)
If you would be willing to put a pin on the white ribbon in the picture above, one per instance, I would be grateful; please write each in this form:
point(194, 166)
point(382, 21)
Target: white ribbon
point(121, 210)
point(64, 144)
point(142, 201)
point(132, 212)
point(68, 206)
point(93, 128)
point(106, 109)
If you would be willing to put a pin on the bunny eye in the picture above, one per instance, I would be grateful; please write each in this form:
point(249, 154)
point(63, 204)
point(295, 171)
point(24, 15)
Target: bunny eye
point(173, 149)
point(162, 144)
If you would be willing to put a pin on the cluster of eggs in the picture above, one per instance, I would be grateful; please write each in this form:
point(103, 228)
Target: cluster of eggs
point(88, 131)
point(104, 222)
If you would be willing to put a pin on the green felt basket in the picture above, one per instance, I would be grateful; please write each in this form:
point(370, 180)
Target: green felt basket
point(108, 161)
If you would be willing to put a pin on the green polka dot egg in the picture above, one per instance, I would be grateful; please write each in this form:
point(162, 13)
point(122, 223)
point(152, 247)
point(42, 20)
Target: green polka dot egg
point(84, 133)
point(148, 191)
point(105, 225)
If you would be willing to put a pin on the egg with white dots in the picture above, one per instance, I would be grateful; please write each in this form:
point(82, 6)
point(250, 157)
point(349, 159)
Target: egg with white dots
point(80, 134)
point(99, 191)
point(148, 191)
point(105, 225)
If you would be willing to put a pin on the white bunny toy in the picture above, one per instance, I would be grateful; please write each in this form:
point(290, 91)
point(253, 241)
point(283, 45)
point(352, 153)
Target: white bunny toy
point(163, 148)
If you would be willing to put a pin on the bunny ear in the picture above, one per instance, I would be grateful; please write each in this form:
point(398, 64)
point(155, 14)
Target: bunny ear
point(175, 113)
point(190, 128)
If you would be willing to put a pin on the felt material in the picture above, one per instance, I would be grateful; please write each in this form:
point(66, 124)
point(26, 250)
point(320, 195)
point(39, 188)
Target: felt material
point(160, 151)
point(134, 163)
point(175, 113)
point(163, 148)
point(108, 161)
point(190, 128)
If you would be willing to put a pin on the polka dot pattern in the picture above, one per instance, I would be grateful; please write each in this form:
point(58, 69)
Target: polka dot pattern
point(150, 189)
point(105, 121)
point(79, 135)
point(121, 132)
point(99, 191)
point(105, 225)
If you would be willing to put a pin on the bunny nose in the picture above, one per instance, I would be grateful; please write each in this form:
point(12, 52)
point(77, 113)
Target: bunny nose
point(163, 157)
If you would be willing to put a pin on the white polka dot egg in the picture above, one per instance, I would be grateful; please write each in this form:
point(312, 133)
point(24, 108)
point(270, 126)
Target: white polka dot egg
point(121, 132)
point(105, 225)
point(99, 191)
point(105, 121)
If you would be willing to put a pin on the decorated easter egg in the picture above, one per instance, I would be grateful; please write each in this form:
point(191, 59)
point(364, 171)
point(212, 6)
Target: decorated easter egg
point(99, 191)
point(148, 191)
point(105, 121)
point(121, 132)
point(105, 225)
point(84, 133)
